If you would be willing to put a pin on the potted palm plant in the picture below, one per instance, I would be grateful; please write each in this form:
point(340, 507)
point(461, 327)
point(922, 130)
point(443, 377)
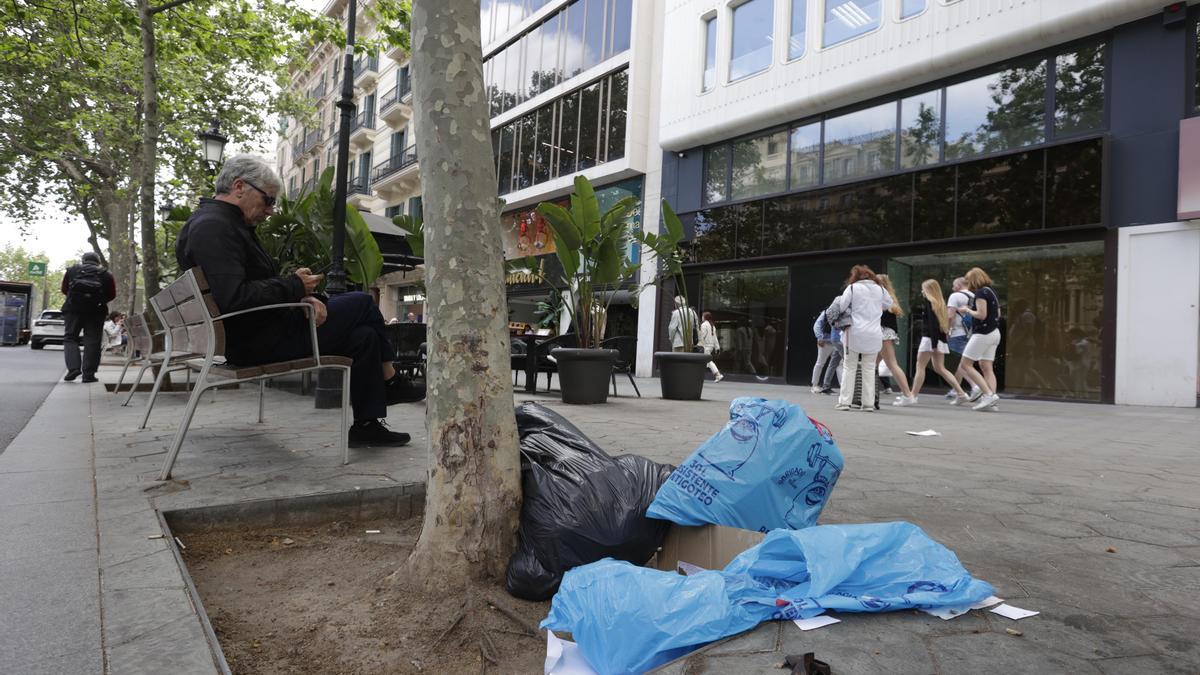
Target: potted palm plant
point(681, 373)
point(591, 247)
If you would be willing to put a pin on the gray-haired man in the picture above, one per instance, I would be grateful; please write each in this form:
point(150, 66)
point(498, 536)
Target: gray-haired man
point(219, 238)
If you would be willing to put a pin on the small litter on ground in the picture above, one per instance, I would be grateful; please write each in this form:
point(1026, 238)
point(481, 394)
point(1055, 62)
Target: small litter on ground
point(815, 622)
point(564, 658)
point(1014, 613)
point(373, 531)
point(927, 432)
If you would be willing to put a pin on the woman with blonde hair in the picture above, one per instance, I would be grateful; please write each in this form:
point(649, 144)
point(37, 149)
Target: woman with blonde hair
point(890, 325)
point(985, 337)
point(934, 346)
point(862, 301)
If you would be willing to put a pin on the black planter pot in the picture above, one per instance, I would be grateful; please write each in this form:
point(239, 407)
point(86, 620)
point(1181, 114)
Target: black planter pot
point(682, 374)
point(584, 374)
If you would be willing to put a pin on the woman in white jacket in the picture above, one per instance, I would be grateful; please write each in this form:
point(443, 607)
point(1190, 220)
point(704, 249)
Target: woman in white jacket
point(708, 340)
point(864, 300)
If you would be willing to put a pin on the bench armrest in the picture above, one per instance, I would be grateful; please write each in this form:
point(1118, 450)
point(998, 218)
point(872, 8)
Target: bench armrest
point(308, 312)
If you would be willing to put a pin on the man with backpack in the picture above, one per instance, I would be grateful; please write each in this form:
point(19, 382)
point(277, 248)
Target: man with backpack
point(88, 287)
point(960, 326)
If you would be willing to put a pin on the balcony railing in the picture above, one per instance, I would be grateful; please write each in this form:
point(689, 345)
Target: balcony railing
point(358, 186)
point(401, 160)
point(318, 92)
point(395, 95)
point(312, 139)
point(364, 120)
point(366, 64)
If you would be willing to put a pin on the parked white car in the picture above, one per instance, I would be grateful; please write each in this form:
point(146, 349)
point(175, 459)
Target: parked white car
point(48, 328)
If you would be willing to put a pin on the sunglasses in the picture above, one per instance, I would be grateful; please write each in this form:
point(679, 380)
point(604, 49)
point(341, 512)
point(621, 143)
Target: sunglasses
point(267, 199)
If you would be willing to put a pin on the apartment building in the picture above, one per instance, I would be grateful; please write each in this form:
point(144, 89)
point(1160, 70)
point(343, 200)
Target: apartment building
point(1050, 143)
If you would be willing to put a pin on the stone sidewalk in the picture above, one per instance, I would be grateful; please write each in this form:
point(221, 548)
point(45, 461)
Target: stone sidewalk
point(1031, 498)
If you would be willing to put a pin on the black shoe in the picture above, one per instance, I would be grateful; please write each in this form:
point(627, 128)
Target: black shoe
point(88, 379)
point(400, 389)
point(375, 434)
point(827, 391)
point(71, 375)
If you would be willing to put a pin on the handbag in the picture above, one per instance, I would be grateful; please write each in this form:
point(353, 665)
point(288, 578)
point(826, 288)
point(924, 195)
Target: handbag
point(838, 316)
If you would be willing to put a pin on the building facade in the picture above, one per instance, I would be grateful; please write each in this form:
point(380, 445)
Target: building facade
point(383, 176)
point(926, 137)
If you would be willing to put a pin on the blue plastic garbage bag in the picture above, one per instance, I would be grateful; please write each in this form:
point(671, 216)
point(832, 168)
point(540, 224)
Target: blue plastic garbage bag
point(770, 467)
point(629, 619)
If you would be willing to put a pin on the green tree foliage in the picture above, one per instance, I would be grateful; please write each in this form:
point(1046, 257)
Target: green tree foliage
point(14, 266)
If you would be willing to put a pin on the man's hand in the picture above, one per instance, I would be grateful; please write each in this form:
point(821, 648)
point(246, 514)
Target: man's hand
point(319, 310)
point(822, 343)
point(309, 279)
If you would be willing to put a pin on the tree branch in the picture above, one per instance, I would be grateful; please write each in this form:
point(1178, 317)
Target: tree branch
point(169, 5)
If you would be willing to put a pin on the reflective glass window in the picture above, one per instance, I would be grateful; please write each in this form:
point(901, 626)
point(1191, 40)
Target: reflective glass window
point(999, 111)
point(515, 77)
point(799, 31)
point(920, 129)
point(716, 166)
point(621, 25)
point(543, 146)
point(805, 149)
point(1001, 194)
point(749, 311)
point(1079, 90)
point(911, 8)
point(618, 99)
point(714, 236)
point(589, 125)
point(594, 49)
point(933, 204)
point(549, 73)
point(574, 41)
point(523, 153)
point(710, 54)
point(845, 19)
point(1073, 184)
point(751, 46)
point(759, 165)
point(485, 20)
point(860, 143)
point(533, 62)
point(568, 133)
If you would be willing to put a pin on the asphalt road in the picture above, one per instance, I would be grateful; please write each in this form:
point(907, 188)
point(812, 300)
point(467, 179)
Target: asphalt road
point(26, 378)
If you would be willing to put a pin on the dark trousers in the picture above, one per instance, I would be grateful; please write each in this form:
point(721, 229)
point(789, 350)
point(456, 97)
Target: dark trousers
point(354, 328)
point(92, 325)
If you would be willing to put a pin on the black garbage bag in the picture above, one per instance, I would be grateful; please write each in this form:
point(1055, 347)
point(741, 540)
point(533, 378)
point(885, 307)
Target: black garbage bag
point(580, 504)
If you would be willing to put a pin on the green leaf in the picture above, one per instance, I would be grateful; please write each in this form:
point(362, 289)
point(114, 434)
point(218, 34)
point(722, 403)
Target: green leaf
point(586, 208)
point(562, 224)
point(674, 225)
point(364, 262)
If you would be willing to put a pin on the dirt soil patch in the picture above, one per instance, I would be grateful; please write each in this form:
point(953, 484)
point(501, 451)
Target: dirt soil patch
point(325, 600)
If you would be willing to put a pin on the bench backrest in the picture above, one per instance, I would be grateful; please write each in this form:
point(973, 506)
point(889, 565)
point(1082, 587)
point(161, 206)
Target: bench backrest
point(140, 336)
point(186, 309)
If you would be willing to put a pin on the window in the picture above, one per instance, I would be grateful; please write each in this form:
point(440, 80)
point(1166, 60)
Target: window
point(394, 210)
point(544, 145)
point(1079, 90)
point(752, 34)
point(415, 209)
point(911, 8)
point(504, 170)
point(750, 315)
point(568, 134)
point(618, 99)
point(620, 26)
point(860, 143)
point(920, 129)
point(549, 74)
point(845, 19)
point(523, 173)
point(1003, 110)
point(759, 166)
point(799, 29)
point(574, 41)
point(805, 149)
point(589, 126)
point(1196, 66)
point(593, 52)
point(532, 48)
point(716, 174)
point(710, 54)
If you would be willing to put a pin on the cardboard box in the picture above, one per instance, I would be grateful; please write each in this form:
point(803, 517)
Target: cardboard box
point(709, 546)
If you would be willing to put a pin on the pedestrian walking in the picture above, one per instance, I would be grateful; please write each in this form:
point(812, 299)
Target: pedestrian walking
point(960, 332)
point(935, 323)
point(889, 321)
point(863, 301)
point(712, 346)
point(829, 354)
point(88, 288)
point(683, 322)
point(985, 337)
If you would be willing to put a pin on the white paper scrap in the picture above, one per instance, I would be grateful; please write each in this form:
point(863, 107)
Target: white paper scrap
point(564, 658)
point(947, 613)
point(927, 432)
point(1014, 613)
point(987, 602)
point(816, 622)
point(372, 531)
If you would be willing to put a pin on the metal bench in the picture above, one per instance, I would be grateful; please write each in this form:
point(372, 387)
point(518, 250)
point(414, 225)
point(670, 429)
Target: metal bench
point(193, 324)
point(148, 340)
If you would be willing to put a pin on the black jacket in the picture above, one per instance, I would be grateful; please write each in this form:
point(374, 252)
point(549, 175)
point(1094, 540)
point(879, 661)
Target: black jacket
point(218, 240)
point(106, 280)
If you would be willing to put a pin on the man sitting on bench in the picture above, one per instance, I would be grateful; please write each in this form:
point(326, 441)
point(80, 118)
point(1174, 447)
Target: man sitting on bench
point(219, 238)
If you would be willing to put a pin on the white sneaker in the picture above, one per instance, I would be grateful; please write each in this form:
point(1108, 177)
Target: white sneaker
point(905, 400)
point(976, 392)
point(718, 377)
point(842, 406)
point(815, 390)
point(960, 400)
point(951, 395)
point(986, 402)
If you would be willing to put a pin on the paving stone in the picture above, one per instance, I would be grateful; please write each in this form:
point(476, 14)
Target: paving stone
point(1146, 535)
point(133, 613)
point(860, 644)
point(45, 487)
point(1147, 664)
point(178, 647)
point(79, 662)
point(39, 530)
point(999, 653)
point(46, 603)
point(156, 569)
point(764, 638)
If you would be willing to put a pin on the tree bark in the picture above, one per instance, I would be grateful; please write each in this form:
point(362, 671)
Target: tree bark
point(149, 167)
point(473, 493)
point(115, 214)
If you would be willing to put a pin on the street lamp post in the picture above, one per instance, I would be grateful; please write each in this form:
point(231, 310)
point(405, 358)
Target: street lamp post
point(336, 278)
point(214, 146)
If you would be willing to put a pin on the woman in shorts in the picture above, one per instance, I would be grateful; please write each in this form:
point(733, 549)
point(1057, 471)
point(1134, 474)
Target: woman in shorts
point(934, 346)
point(985, 337)
point(890, 324)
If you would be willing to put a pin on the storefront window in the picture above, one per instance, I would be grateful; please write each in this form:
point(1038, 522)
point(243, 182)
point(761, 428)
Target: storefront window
point(759, 165)
point(1002, 194)
point(751, 45)
point(799, 31)
point(716, 166)
point(1079, 90)
point(749, 311)
point(1000, 111)
point(805, 150)
point(845, 19)
point(920, 129)
point(860, 143)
